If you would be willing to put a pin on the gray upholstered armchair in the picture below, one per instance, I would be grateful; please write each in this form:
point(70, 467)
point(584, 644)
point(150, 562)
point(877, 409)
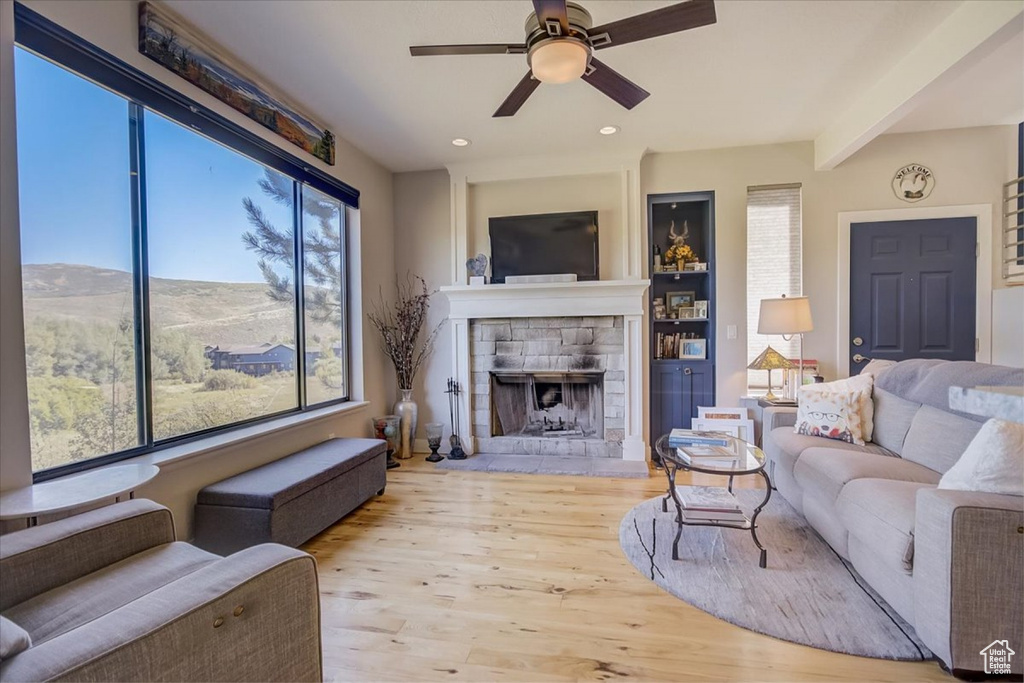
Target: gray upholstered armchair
point(108, 595)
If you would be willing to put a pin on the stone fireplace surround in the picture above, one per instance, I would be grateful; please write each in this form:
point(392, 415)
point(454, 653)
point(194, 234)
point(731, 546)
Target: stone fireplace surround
point(613, 312)
point(550, 345)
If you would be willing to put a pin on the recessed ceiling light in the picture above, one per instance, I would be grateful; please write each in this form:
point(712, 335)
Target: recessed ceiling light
point(461, 142)
point(609, 130)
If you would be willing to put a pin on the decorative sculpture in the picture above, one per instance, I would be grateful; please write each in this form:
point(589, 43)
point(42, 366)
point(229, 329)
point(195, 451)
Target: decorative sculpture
point(677, 239)
point(477, 265)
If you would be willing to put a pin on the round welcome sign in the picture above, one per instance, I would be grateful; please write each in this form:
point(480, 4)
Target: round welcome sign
point(913, 182)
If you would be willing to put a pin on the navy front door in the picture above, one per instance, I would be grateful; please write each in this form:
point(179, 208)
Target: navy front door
point(912, 290)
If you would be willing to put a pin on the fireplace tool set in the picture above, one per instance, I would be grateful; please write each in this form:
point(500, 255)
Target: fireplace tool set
point(454, 391)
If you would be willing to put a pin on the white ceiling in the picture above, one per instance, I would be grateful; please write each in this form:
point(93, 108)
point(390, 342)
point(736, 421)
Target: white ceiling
point(766, 72)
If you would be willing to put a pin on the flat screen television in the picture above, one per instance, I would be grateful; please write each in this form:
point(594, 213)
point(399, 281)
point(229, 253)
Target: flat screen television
point(544, 244)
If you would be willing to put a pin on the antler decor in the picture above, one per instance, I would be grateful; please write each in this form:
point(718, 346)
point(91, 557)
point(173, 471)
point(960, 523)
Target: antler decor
point(400, 325)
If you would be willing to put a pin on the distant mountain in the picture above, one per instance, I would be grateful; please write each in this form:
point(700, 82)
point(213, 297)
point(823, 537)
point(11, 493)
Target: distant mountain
point(211, 312)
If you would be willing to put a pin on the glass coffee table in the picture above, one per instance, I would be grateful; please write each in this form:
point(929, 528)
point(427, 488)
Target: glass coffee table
point(737, 458)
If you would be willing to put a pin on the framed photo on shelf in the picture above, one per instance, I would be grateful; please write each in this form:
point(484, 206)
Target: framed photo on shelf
point(674, 300)
point(693, 349)
point(701, 309)
point(686, 313)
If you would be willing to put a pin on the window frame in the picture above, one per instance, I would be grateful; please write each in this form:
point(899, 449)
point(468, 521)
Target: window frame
point(40, 36)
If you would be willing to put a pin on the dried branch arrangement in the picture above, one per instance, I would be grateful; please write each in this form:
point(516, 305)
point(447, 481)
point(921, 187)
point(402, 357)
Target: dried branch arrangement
point(400, 326)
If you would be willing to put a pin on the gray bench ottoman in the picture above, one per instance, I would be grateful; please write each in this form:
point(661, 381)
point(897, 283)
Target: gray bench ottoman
point(290, 500)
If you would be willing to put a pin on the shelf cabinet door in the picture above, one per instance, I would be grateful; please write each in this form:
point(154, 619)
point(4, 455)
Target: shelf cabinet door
point(677, 389)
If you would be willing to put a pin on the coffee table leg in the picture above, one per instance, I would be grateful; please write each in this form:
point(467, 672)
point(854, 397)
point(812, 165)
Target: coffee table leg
point(679, 507)
point(763, 562)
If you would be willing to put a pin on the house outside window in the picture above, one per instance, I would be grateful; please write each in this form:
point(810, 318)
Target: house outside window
point(774, 268)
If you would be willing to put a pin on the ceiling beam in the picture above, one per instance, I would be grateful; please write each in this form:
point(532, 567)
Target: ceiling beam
point(968, 34)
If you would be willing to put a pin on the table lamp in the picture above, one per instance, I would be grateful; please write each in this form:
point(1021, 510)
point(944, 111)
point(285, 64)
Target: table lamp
point(787, 316)
point(769, 360)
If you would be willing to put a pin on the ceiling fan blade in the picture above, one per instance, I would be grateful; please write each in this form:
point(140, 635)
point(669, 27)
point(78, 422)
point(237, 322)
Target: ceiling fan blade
point(659, 22)
point(481, 49)
point(518, 96)
point(614, 85)
point(555, 11)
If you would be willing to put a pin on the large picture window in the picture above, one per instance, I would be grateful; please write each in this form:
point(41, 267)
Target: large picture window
point(173, 284)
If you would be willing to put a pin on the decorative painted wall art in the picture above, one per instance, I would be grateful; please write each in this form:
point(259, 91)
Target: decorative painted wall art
point(170, 41)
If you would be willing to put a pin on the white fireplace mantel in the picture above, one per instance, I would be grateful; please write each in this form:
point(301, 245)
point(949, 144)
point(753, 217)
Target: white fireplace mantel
point(554, 299)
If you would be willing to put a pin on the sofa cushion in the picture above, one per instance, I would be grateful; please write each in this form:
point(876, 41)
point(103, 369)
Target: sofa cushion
point(784, 438)
point(937, 439)
point(276, 483)
point(69, 606)
point(893, 416)
point(880, 514)
point(825, 471)
point(13, 639)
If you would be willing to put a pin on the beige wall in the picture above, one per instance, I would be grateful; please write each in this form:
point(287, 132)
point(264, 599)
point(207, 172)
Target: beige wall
point(113, 27)
point(602, 192)
point(969, 165)
point(14, 439)
point(423, 248)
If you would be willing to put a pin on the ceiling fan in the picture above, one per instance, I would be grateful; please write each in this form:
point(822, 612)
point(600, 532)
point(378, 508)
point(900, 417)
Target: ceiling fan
point(561, 38)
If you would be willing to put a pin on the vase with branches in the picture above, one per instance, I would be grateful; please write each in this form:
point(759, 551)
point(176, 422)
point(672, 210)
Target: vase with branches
point(400, 326)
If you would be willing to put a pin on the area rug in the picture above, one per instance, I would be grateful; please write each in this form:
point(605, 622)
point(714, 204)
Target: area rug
point(807, 594)
point(549, 464)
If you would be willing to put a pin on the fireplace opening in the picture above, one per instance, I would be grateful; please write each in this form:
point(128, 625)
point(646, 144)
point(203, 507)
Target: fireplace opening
point(548, 404)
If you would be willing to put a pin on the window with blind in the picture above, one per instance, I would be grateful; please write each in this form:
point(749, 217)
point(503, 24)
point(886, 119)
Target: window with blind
point(773, 268)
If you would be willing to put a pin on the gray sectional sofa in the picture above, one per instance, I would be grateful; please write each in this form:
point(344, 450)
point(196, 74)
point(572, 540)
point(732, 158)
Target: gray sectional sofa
point(108, 595)
point(949, 562)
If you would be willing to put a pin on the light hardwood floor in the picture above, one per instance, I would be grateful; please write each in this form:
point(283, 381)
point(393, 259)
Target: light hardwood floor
point(484, 576)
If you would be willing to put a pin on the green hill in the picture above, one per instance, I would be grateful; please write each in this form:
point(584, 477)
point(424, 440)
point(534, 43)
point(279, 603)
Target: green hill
point(210, 312)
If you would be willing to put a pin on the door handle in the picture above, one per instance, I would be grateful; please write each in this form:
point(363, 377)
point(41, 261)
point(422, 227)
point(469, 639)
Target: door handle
point(857, 341)
point(857, 358)
point(687, 371)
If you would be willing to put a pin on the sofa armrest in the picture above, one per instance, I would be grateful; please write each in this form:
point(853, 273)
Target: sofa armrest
point(37, 559)
point(252, 616)
point(774, 417)
point(968, 573)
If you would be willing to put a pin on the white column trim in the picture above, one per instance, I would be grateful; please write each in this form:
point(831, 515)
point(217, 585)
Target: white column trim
point(983, 320)
point(633, 446)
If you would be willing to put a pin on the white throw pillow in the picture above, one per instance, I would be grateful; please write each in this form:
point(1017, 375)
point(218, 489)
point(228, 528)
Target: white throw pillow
point(13, 639)
point(859, 423)
point(992, 463)
point(830, 414)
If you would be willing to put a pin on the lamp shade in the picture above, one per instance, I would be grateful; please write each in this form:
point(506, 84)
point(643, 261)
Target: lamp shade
point(770, 359)
point(788, 315)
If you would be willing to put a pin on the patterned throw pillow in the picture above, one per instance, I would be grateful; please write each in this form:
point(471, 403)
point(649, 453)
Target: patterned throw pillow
point(860, 387)
point(831, 414)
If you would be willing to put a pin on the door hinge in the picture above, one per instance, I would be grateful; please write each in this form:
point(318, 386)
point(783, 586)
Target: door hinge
point(977, 250)
point(977, 345)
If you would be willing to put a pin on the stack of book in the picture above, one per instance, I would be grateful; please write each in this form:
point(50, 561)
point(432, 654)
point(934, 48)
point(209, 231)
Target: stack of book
point(678, 438)
point(711, 505)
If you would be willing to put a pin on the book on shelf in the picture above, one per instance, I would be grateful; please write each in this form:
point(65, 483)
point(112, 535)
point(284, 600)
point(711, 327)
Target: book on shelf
point(696, 437)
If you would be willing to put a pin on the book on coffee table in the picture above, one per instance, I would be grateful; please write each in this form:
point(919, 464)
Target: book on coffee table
point(711, 505)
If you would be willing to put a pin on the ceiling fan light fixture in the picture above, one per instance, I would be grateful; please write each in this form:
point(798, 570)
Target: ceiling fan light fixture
point(558, 61)
point(461, 142)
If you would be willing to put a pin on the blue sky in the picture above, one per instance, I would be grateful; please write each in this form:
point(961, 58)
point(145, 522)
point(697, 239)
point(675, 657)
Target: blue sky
point(73, 169)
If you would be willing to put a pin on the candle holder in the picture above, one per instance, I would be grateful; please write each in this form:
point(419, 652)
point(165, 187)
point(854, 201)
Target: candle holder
point(435, 430)
point(386, 428)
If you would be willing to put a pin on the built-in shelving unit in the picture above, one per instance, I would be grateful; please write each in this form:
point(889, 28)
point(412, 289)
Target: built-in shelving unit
point(679, 385)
